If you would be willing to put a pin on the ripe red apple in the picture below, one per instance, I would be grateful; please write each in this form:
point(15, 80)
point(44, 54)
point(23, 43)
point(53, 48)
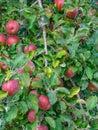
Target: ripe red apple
point(72, 13)
point(59, 3)
point(2, 39)
point(34, 92)
point(73, 115)
point(44, 102)
point(42, 127)
point(29, 65)
point(92, 87)
point(12, 40)
point(31, 116)
point(12, 87)
point(30, 48)
point(61, 84)
point(69, 73)
point(12, 27)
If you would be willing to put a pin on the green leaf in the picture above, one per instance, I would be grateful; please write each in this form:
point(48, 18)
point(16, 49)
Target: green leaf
point(24, 107)
point(31, 19)
point(3, 94)
point(12, 113)
point(32, 102)
point(58, 125)
point(63, 106)
point(89, 73)
point(62, 90)
point(37, 84)
point(19, 60)
point(25, 79)
point(50, 121)
point(91, 102)
point(32, 126)
point(54, 80)
point(74, 91)
point(52, 97)
point(61, 53)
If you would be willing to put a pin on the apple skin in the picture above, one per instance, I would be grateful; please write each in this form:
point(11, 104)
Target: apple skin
point(12, 40)
point(61, 84)
point(12, 87)
point(42, 127)
point(28, 64)
point(12, 27)
point(72, 13)
point(73, 115)
point(92, 87)
point(44, 102)
point(59, 3)
point(30, 48)
point(34, 92)
point(3, 39)
point(92, 12)
point(31, 64)
point(31, 116)
point(69, 73)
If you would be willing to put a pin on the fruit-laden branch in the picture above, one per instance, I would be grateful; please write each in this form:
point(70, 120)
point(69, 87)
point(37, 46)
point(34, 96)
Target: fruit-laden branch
point(44, 33)
point(78, 96)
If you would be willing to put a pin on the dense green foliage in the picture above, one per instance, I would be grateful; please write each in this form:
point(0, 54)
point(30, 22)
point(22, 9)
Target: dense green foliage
point(70, 42)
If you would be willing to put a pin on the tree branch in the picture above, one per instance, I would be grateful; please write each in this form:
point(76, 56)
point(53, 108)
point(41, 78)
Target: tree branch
point(44, 34)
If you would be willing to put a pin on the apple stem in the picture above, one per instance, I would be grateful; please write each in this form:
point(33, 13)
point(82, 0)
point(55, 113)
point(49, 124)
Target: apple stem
point(78, 96)
point(44, 34)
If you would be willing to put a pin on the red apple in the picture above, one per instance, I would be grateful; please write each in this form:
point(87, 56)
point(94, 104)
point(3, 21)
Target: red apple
point(29, 65)
point(44, 102)
point(96, 3)
point(34, 92)
point(42, 127)
point(30, 48)
point(61, 84)
point(69, 73)
point(12, 27)
point(72, 13)
point(2, 39)
point(31, 116)
point(92, 12)
point(12, 40)
point(92, 87)
point(59, 3)
point(73, 115)
point(12, 87)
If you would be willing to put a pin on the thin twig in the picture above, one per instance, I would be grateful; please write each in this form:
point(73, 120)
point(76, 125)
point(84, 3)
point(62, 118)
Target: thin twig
point(78, 96)
point(34, 4)
point(44, 34)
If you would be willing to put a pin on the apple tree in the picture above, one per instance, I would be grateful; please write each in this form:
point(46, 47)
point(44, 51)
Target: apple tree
point(48, 65)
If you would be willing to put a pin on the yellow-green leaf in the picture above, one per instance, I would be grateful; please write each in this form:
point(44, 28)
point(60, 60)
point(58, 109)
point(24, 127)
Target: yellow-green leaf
point(56, 63)
point(61, 53)
point(74, 91)
point(48, 71)
point(3, 94)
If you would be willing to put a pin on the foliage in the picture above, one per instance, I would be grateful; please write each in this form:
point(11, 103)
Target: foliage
point(70, 42)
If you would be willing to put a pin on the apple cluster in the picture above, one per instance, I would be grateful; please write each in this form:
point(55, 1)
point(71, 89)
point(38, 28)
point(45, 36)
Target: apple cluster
point(12, 28)
point(69, 13)
point(44, 104)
